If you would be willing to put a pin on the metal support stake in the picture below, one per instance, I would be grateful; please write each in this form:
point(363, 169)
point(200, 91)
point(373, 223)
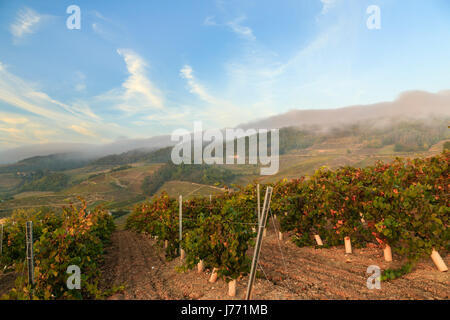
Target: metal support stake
point(30, 258)
point(1, 239)
point(262, 225)
point(181, 221)
point(258, 196)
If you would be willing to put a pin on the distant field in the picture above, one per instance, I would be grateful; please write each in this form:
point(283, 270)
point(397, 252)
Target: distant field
point(188, 189)
point(8, 181)
point(95, 184)
point(30, 194)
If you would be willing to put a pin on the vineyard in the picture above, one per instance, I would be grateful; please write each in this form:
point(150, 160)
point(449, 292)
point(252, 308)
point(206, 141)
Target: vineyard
point(74, 237)
point(403, 207)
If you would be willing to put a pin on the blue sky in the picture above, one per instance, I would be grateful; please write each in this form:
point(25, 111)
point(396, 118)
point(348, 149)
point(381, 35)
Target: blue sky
point(143, 68)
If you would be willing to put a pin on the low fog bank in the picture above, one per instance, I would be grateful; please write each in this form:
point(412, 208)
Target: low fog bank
point(83, 151)
point(410, 105)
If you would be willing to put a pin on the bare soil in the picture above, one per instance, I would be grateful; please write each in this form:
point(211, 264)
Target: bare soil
point(288, 272)
point(6, 282)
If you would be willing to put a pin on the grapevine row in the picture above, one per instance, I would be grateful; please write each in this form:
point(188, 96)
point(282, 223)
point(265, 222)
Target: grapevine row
point(74, 237)
point(403, 205)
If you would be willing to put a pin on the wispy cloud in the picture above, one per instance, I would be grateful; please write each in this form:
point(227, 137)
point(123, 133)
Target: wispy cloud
point(138, 93)
point(235, 25)
point(96, 28)
point(194, 87)
point(210, 21)
point(83, 130)
point(327, 5)
point(19, 129)
point(106, 28)
point(39, 118)
point(99, 15)
point(243, 31)
point(26, 22)
point(218, 111)
point(12, 119)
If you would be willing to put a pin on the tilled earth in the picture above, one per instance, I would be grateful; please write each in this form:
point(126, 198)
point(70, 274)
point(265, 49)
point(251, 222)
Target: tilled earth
point(286, 272)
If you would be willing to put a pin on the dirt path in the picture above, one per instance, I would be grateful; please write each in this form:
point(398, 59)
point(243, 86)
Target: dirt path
point(293, 273)
point(135, 261)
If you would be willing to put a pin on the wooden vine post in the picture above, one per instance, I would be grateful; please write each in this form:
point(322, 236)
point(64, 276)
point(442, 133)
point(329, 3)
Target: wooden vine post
point(318, 240)
point(232, 288)
point(438, 261)
point(348, 245)
point(387, 253)
point(280, 234)
point(30, 257)
point(213, 277)
point(259, 238)
point(200, 266)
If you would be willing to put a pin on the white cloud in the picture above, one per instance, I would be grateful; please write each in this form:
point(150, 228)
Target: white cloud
point(194, 87)
point(82, 130)
point(209, 21)
point(12, 119)
point(235, 26)
point(100, 30)
point(99, 15)
point(137, 93)
point(96, 28)
point(327, 5)
point(26, 22)
point(243, 31)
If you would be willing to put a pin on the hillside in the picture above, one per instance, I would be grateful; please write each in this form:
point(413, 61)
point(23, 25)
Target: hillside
point(119, 181)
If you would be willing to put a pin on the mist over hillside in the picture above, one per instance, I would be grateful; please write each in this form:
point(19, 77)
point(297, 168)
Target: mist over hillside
point(83, 151)
point(411, 105)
